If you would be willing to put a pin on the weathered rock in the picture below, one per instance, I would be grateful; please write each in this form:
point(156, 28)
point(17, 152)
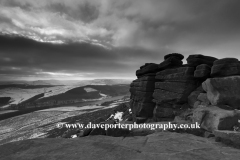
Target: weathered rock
point(159, 146)
point(162, 96)
point(186, 70)
point(143, 96)
point(208, 134)
point(182, 73)
point(192, 98)
point(227, 69)
point(231, 137)
point(200, 89)
point(151, 68)
point(223, 91)
point(145, 84)
point(160, 112)
point(147, 78)
point(202, 73)
point(147, 74)
point(203, 67)
point(196, 104)
point(214, 118)
point(225, 61)
point(177, 87)
point(180, 95)
point(145, 65)
point(170, 62)
point(203, 98)
point(195, 60)
point(143, 89)
point(177, 55)
point(143, 109)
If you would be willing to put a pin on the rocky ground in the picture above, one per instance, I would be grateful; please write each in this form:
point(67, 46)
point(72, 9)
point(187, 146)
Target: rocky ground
point(159, 146)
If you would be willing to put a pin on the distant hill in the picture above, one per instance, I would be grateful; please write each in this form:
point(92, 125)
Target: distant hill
point(103, 82)
point(80, 93)
point(68, 82)
point(4, 100)
point(24, 86)
point(45, 82)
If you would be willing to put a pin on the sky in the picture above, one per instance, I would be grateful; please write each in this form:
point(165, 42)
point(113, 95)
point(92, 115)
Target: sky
point(110, 39)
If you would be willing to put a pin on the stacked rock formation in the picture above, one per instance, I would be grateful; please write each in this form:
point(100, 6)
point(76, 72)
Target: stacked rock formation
point(142, 89)
point(141, 97)
point(216, 106)
point(176, 84)
point(224, 86)
point(162, 89)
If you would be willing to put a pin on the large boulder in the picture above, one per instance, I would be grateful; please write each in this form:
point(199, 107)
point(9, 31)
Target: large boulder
point(229, 68)
point(176, 74)
point(177, 55)
point(145, 65)
point(192, 98)
point(202, 71)
point(225, 61)
point(150, 68)
point(229, 137)
point(170, 62)
point(197, 59)
point(213, 118)
point(223, 91)
point(202, 97)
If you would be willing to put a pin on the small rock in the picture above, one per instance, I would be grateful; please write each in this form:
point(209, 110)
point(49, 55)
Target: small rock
point(177, 55)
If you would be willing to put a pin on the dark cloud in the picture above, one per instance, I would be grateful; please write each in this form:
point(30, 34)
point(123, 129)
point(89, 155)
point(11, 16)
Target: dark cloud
point(85, 12)
point(28, 57)
point(106, 37)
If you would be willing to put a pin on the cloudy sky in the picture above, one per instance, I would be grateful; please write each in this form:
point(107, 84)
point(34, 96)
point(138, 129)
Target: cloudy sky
point(86, 39)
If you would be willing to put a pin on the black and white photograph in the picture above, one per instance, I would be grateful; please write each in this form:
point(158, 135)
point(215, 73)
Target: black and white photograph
point(119, 79)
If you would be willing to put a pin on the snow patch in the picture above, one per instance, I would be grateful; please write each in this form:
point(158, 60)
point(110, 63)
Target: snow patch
point(74, 136)
point(118, 116)
point(88, 89)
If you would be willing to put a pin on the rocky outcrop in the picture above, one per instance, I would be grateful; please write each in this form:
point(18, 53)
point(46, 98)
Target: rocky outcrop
point(141, 97)
point(228, 137)
point(174, 88)
point(205, 90)
point(160, 146)
point(193, 97)
point(165, 87)
point(223, 91)
point(213, 118)
point(225, 67)
point(146, 69)
point(195, 60)
point(202, 71)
